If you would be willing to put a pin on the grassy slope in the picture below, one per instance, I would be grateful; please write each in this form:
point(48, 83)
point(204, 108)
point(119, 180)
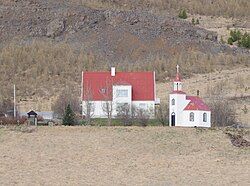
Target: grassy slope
point(122, 156)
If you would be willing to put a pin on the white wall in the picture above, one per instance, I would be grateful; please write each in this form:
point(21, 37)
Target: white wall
point(198, 119)
point(98, 109)
point(180, 104)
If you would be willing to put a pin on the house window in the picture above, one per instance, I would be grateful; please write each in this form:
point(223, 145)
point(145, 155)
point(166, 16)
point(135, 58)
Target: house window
point(121, 93)
point(204, 117)
point(173, 101)
point(103, 90)
point(191, 116)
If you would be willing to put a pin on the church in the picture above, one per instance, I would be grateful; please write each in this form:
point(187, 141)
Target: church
point(187, 111)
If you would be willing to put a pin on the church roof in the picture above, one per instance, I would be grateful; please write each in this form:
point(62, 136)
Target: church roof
point(177, 77)
point(196, 103)
point(177, 92)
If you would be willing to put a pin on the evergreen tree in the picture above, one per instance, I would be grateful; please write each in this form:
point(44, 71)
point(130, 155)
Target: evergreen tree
point(193, 21)
point(69, 116)
point(197, 21)
point(183, 14)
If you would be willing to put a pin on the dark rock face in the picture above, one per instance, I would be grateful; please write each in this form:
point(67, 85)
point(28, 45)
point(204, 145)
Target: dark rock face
point(110, 34)
point(55, 28)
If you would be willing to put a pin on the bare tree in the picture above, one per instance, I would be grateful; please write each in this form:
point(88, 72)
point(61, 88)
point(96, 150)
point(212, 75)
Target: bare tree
point(88, 105)
point(66, 97)
point(108, 104)
point(162, 113)
point(223, 113)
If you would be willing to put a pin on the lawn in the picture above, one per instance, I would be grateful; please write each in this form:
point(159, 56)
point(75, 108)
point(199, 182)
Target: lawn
point(121, 156)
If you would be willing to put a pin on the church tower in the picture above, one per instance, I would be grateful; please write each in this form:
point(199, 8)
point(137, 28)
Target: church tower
point(177, 101)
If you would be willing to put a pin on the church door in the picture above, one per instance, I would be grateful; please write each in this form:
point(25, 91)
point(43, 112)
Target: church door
point(173, 119)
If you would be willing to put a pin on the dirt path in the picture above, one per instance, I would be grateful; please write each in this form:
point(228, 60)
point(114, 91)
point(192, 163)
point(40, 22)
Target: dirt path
point(121, 156)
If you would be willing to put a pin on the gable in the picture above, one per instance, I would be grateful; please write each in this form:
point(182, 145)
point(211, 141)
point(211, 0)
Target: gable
point(99, 85)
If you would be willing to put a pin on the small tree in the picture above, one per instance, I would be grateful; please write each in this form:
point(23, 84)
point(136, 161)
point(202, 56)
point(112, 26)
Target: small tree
point(69, 116)
point(197, 21)
point(193, 21)
point(108, 104)
point(88, 106)
point(223, 113)
point(142, 116)
point(162, 113)
point(183, 14)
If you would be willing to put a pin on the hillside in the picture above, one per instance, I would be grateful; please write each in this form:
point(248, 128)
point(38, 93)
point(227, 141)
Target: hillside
point(45, 44)
point(122, 156)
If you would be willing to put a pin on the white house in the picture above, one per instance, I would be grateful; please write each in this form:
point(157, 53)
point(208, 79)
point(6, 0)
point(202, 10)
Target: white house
point(187, 111)
point(117, 89)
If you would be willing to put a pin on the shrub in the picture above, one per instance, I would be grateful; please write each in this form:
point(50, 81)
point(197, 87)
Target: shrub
point(197, 21)
point(230, 41)
point(183, 14)
point(223, 113)
point(162, 113)
point(245, 41)
point(193, 21)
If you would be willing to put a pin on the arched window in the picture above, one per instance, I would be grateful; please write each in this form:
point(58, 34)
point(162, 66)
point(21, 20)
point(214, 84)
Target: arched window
point(173, 101)
point(204, 117)
point(191, 116)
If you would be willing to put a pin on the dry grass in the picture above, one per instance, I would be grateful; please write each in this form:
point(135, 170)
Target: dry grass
point(228, 8)
point(121, 156)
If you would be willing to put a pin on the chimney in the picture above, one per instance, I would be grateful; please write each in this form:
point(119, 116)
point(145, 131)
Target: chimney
point(198, 93)
point(113, 71)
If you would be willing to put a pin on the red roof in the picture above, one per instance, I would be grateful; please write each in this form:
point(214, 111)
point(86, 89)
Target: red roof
point(99, 84)
point(196, 103)
point(177, 92)
point(177, 77)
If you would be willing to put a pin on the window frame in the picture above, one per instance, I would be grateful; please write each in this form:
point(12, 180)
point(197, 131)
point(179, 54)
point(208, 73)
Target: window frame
point(120, 93)
point(173, 101)
point(204, 117)
point(191, 116)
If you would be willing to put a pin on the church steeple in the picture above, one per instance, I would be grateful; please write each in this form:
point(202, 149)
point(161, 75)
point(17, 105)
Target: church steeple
point(177, 80)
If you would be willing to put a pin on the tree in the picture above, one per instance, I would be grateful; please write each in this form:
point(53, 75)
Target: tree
point(162, 113)
point(193, 21)
point(69, 116)
point(64, 99)
point(88, 106)
point(183, 14)
point(108, 104)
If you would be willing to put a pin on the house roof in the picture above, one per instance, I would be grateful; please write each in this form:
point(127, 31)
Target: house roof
point(196, 103)
point(97, 86)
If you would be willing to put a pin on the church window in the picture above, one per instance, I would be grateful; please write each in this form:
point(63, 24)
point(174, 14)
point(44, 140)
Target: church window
point(204, 117)
point(173, 101)
point(191, 116)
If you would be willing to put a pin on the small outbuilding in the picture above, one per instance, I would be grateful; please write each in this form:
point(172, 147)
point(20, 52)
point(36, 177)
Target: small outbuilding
point(32, 117)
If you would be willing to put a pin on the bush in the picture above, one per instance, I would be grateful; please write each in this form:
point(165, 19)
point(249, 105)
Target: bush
point(183, 14)
point(162, 113)
point(243, 39)
point(12, 121)
point(223, 113)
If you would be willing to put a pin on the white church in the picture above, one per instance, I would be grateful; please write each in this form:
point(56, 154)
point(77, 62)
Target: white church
point(187, 111)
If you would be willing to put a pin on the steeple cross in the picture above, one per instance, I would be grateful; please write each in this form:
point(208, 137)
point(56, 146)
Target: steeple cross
point(177, 68)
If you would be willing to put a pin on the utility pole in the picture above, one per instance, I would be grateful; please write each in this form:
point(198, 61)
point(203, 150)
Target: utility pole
point(14, 101)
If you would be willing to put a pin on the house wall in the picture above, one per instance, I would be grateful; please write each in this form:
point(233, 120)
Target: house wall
point(99, 113)
point(198, 119)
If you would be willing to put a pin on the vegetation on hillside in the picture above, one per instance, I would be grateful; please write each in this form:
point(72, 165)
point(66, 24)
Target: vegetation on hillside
point(242, 39)
point(44, 69)
point(228, 8)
